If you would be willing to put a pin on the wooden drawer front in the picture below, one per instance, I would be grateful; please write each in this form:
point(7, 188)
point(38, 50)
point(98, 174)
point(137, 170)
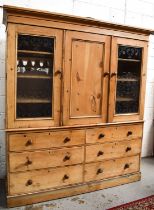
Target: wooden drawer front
point(20, 142)
point(113, 133)
point(45, 159)
point(112, 150)
point(34, 181)
point(111, 168)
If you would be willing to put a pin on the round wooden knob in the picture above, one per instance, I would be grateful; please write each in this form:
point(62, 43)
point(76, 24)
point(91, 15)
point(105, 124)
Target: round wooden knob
point(29, 142)
point(100, 153)
point(106, 74)
point(113, 74)
point(65, 177)
point(29, 162)
point(129, 133)
point(128, 149)
point(99, 171)
point(66, 158)
point(101, 135)
point(67, 139)
point(29, 182)
point(126, 166)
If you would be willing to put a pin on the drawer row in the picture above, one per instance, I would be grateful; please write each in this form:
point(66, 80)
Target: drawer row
point(37, 180)
point(30, 160)
point(62, 138)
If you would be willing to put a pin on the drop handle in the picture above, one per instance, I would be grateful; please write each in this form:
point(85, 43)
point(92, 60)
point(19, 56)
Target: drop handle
point(113, 74)
point(126, 166)
point(101, 135)
point(67, 139)
point(129, 133)
point(99, 171)
point(100, 153)
point(106, 74)
point(29, 143)
point(65, 177)
point(128, 149)
point(29, 182)
point(66, 158)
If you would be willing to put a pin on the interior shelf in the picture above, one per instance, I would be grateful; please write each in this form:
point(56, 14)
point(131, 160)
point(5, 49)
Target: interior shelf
point(129, 60)
point(32, 100)
point(33, 76)
point(124, 99)
point(35, 52)
point(127, 79)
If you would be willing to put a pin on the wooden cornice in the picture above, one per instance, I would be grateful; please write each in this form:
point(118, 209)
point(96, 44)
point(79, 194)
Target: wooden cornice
point(38, 14)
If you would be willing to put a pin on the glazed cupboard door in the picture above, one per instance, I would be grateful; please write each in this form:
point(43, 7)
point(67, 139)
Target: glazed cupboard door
point(86, 74)
point(33, 76)
point(127, 79)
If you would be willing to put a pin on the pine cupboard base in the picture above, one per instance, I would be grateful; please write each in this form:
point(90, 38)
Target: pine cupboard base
point(25, 199)
point(75, 90)
point(71, 161)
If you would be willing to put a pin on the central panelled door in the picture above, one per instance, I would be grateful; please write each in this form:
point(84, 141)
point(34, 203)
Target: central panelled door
point(86, 76)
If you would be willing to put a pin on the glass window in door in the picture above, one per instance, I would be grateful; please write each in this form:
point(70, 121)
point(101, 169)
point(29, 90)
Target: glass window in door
point(35, 61)
point(128, 79)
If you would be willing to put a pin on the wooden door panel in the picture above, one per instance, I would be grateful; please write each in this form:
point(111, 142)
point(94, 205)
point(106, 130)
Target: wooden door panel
point(86, 79)
point(85, 84)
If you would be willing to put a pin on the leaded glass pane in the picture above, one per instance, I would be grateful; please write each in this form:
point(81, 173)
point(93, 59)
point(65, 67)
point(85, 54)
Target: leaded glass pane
point(128, 79)
point(35, 58)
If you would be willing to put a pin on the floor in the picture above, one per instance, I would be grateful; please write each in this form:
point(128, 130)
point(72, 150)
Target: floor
point(99, 200)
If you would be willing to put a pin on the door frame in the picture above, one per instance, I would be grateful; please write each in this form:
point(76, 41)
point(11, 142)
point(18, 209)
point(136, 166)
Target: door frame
point(11, 84)
point(76, 35)
point(112, 117)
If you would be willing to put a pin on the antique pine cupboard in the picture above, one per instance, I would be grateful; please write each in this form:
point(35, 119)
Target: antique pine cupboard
point(74, 105)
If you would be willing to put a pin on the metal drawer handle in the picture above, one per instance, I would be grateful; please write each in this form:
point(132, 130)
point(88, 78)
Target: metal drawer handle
point(129, 133)
point(65, 177)
point(126, 166)
point(101, 135)
point(29, 182)
point(28, 143)
point(99, 171)
point(66, 158)
point(100, 153)
point(128, 149)
point(67, 140)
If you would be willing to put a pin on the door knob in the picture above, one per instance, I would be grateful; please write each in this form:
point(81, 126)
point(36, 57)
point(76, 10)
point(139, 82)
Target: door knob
point(113, 74)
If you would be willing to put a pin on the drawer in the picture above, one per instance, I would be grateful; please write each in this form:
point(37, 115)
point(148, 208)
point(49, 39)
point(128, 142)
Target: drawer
point(112, 150)
point(31, 141)
point(23, 161)
point(113, 133)
point(37, 180)
point(111, 168)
